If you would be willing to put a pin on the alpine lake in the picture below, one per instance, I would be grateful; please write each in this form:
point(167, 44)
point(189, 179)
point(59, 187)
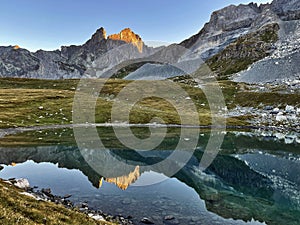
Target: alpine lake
point(254, 178)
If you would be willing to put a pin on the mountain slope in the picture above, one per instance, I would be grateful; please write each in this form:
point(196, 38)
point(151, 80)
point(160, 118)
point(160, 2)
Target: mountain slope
point(240, 40)
point(235, 39)
point(260, 42)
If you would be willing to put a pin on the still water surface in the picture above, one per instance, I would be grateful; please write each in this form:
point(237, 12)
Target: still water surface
point(254, 179)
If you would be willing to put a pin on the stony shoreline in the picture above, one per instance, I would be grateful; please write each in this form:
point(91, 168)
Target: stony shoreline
point(239, 111)
point(46, 195)
point(280, 118)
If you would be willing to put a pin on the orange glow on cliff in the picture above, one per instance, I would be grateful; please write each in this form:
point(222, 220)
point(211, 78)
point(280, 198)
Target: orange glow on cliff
point(125, 181)
point(129, 37)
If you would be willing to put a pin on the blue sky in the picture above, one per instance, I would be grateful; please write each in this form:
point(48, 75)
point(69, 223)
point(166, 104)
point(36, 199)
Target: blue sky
point(48, 24)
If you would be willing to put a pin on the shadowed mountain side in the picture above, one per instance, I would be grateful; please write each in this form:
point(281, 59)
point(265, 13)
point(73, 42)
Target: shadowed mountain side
point(73, 61)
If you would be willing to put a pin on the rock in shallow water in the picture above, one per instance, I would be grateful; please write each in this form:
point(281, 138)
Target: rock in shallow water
point(146, 220)
point(22, 183)
point(172, 222)
point(170, 217)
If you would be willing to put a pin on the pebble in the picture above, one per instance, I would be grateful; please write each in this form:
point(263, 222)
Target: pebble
point(170, 217)
point(146, 220)
point(126, 201)
point(289, 108)
point(172, 222)
point(97, 217)
point(46, 191)
point(276, 109)
point(67, 196)
point(268, 108)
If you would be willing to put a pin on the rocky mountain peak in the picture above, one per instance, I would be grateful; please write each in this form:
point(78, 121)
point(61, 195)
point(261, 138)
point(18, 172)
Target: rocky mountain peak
point(16, 47)
point(129, 36)
point(232, 17)
point(95, 42)
point(99, 35)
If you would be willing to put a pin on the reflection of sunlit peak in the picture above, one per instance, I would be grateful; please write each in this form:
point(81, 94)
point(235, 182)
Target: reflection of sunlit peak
point(125, 181)
point(100, 182)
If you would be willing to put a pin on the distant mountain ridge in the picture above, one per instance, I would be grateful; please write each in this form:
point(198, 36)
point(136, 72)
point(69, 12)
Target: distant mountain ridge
point(234, 40)
point(71, 61)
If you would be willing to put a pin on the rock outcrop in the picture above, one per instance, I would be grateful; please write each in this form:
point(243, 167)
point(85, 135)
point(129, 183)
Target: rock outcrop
point(246, 50)
point(286, 9)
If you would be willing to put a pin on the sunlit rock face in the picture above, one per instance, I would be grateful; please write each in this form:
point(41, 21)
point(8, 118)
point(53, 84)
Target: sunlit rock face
point(129, 36)
point(16, 47)
point(125, 181)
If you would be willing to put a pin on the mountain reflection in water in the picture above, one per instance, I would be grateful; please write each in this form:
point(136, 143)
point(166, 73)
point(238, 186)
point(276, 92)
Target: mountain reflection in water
point(125, 181)
point(239, 184)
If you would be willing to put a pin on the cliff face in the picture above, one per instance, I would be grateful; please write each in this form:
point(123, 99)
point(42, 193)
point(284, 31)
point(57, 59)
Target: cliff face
point(227, 25)
point(129, 37)
point(232, 22)
point(72, 61)
point(238, 37)
point(286, 9)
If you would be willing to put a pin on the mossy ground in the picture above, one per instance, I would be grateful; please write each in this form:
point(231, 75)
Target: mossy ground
point(16, 208)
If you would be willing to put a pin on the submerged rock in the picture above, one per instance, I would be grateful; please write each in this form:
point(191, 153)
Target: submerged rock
point(170, 217)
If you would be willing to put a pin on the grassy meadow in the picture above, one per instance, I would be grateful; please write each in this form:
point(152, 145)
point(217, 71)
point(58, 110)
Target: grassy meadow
point(29, 102)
